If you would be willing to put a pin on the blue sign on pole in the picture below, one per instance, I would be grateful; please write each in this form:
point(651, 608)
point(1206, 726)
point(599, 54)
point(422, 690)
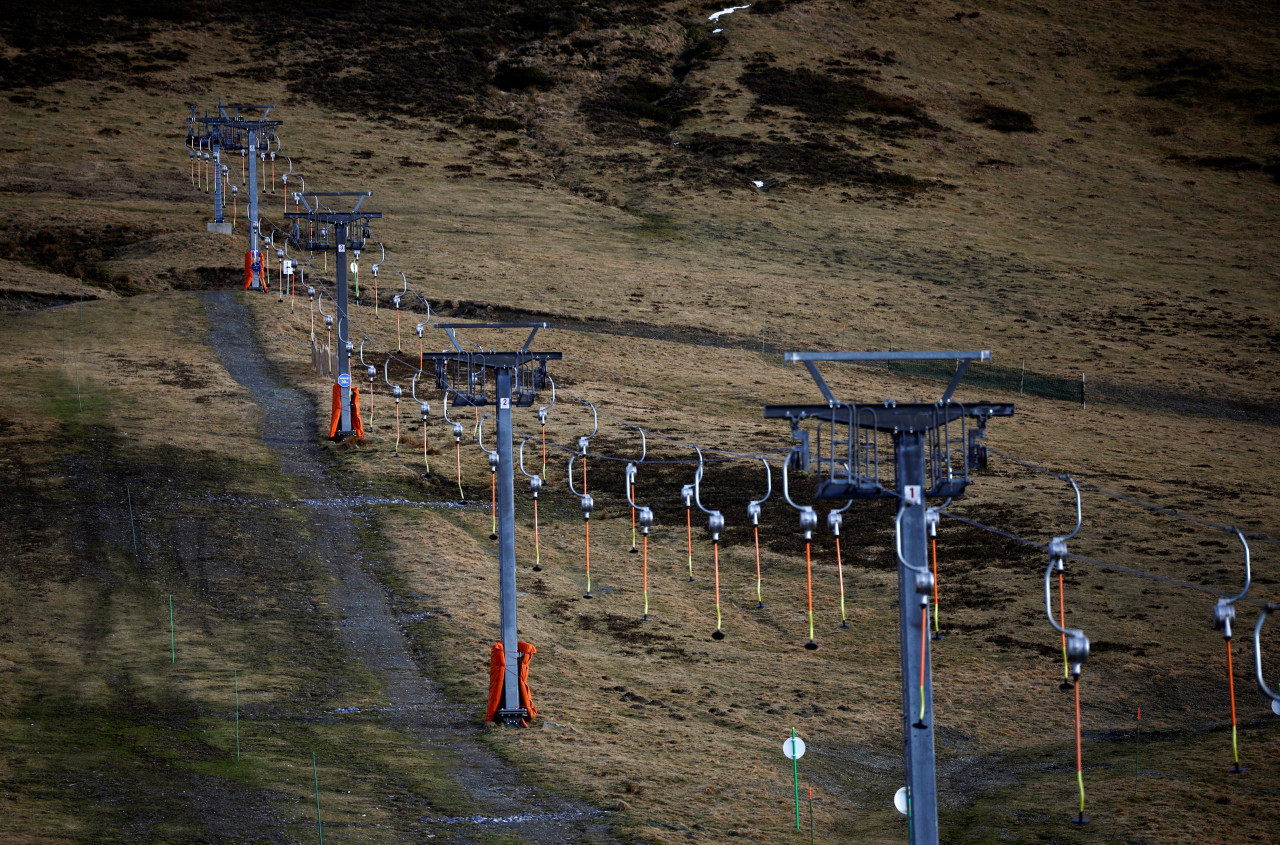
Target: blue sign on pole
point(344, 380)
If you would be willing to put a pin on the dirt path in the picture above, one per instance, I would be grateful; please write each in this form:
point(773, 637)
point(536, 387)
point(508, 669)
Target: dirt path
point(369, 627)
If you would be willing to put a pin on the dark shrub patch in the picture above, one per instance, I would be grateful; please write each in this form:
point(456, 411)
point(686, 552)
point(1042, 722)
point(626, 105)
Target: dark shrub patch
point(493, 124)
point(1230, 164)
point(73, 251)
point(770, 7)
point(647, 99)
point(1236, 164)
point(822, 97)
point(701, 48)
point(813, 161)
point(1268, 118)
point(1169, 89)
point(1003, 119)
point(523, 77)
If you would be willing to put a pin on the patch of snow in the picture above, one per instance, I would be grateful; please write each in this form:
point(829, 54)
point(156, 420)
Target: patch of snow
point(729, 11)
point(757, 183)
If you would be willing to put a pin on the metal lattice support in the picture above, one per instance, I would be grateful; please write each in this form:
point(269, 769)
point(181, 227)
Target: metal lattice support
point(234, 130)
point(506, 380)
point(931, 448)
point(342, 222)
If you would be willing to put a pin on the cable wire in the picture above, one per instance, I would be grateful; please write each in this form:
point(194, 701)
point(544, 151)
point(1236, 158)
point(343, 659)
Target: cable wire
point(1131, 500)
point(1114, 567)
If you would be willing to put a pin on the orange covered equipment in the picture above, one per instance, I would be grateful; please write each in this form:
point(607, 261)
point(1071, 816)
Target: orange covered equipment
point(497, 675)
point(253, 264)
point(336, 419)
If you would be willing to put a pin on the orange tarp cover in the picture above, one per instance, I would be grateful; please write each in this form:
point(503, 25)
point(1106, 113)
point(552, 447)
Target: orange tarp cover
point(337, 411)
point(497, 674)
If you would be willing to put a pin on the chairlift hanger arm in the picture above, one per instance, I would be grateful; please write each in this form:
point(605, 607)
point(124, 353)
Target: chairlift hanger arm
point(1079, 518)
point(480, 436)
point(1257, 655)
point(542, 411)
point(786, 487)
point(595, 422)
point(697, 481)
point(444, 409)
point(1247, 567)
point(630, 482)
point(572, 489)
point(768, 476)
point(897, 540)
point(524, 471)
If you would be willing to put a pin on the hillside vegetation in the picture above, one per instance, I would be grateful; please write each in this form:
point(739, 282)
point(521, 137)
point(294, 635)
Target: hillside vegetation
point(1091, 188)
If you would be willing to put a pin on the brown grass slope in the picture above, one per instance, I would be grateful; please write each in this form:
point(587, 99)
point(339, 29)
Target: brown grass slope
point(1088, 187)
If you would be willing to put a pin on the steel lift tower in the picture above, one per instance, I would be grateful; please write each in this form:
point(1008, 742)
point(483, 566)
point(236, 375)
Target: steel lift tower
point(516, 379)
point(931, 460)
point(234, 130)
point(321, 216)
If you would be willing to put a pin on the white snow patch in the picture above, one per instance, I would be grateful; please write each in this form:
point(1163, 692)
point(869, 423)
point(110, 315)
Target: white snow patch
point(729, 11)
point(757, 183)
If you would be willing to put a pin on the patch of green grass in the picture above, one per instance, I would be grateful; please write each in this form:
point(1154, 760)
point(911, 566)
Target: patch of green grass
point(75, 404)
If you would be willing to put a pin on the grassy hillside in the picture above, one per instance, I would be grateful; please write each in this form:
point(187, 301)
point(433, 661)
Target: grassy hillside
point(1086, 189)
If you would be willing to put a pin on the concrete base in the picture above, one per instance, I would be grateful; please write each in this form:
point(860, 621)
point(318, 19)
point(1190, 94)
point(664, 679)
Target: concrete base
point(223, 228)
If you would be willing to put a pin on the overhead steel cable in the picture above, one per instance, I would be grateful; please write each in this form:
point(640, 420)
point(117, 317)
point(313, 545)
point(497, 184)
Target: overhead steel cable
point(1114, 567)
point(725, 455)
point(1230, 529)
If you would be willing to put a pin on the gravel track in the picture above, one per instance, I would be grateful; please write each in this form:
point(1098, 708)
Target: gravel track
point(369, 627)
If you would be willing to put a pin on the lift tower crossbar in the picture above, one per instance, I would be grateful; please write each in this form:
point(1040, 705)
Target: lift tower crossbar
point(235, 130)
point(342, 221)
point(931, 461)
point(517, 378)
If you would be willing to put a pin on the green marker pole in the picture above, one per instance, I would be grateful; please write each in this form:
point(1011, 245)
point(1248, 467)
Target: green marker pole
point(132, 529)
point(795, 777)
point(236, 674)
point(319, 824)
point(1137, 743)
point(173, 645)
